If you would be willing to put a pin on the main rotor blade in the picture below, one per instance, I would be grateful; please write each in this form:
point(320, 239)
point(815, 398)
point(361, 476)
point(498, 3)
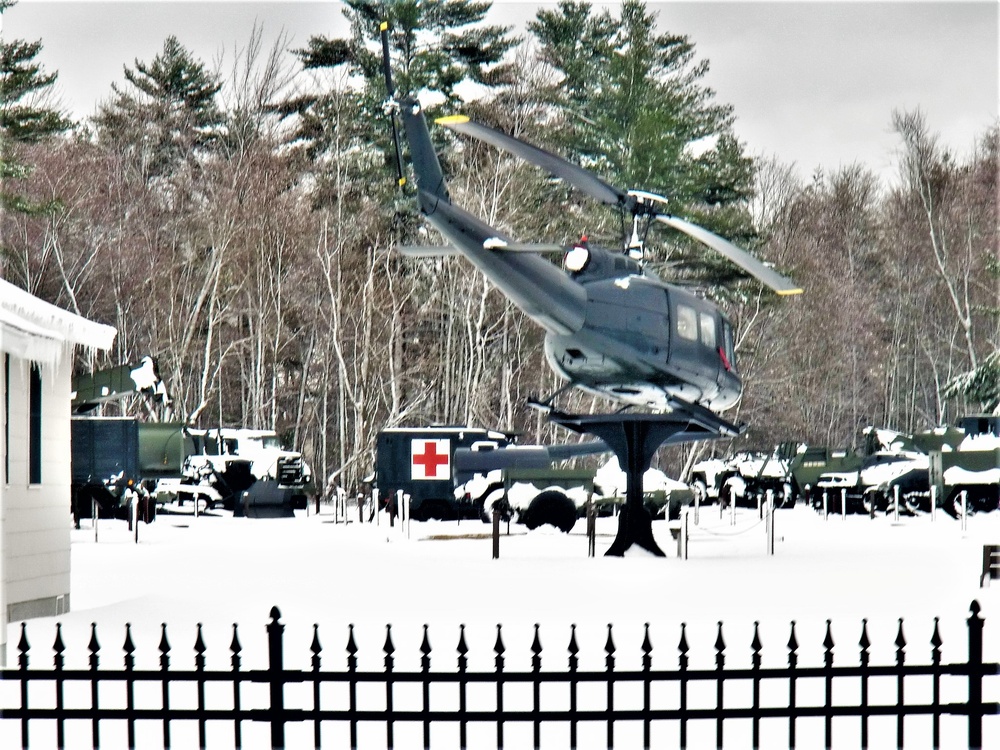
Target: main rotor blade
point(555, 165)
point(738, 256)
point(391, 91)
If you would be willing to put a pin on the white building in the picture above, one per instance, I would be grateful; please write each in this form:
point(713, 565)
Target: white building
point(37, 344)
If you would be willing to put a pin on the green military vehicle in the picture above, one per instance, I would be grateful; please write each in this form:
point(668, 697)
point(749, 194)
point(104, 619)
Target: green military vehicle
point(970, 465)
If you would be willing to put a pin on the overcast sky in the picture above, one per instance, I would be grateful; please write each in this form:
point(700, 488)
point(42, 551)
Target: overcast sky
point(814, 83)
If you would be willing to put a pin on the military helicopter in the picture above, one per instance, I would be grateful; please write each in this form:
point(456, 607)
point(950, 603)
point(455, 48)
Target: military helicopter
point(612, 326)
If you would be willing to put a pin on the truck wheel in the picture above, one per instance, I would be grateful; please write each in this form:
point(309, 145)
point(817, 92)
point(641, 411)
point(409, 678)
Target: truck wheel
point(435, 510)
point(550, 507)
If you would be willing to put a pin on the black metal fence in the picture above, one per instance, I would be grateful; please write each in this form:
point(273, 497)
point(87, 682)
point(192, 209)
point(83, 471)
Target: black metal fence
point(675, 708)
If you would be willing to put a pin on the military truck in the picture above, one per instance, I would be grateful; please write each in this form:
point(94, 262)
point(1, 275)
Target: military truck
point(970, 465)
point(111, 456)
point(246, 471)
point(420, 463)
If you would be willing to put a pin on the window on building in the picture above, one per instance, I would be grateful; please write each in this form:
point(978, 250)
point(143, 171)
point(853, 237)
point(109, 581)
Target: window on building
point(35, 426)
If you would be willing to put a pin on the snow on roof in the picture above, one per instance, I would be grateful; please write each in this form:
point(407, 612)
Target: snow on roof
point(33, 329)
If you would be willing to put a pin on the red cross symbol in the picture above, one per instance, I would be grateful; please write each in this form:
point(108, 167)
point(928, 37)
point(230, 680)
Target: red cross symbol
point(429, 456)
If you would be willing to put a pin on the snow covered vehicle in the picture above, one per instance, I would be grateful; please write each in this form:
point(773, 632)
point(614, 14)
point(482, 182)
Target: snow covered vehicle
point(972, 467)
point(747, 477)
point(420, 463)
point(873, 486)
point(247, 471)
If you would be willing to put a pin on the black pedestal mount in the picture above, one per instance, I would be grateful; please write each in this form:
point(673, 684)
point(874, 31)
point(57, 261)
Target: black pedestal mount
point(635, 438)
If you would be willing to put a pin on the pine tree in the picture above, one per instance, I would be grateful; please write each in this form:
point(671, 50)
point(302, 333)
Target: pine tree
point(167, 114)
point(635, 110)
point(24, 116)
point(435, 47)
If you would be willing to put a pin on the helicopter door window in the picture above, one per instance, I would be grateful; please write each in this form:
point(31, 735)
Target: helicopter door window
point(708, 330)
point(729, 350)
point(687, 323)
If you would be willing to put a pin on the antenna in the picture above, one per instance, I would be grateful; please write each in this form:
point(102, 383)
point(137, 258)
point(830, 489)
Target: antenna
point(391, 105)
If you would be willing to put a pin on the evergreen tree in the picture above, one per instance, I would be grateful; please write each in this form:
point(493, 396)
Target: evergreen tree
point(167, 113)
point(435, 47)
point(24, 116)
point(634, 109)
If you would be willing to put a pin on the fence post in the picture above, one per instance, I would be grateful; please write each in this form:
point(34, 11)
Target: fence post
point(975, 677)
point(275, 669)
point(933, 502)
point(496, 534)
point(826, 507)
point(965, 510)
point(843, 503)
point(895, 503)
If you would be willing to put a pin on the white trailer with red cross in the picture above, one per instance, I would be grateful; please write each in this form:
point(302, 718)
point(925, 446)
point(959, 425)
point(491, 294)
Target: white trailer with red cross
point(420, 463)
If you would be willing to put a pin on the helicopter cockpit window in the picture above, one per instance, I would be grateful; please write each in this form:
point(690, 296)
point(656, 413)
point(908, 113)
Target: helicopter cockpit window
point(687, 323)
point(708, 330)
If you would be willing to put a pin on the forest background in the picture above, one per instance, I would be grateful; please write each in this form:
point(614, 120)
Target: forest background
point(239, 225)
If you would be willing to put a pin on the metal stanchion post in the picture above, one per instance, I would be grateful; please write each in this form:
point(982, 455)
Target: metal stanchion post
point(826, 507)
point(843, 503)
point(732, 510)
point(697, 506)
point(135, 518)
point(965, 510)
point(496, 534)
point(406, 513)
point(93, 515)
point(895, 503)
point(933, 502)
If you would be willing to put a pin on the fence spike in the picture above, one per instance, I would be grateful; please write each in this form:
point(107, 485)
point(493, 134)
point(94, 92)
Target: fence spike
point(234, 645)
point(463, 649)
point(683, 645)
point(573, 649)
point(199, 643)
point(900, 642)
point(235, 648)
point(275, 615)
point(94, 646)
point(128, 647)
point(936, 639)
point(720, 643)
point(864, 643)
point(58, 646)
point(828, 644)
point(536, 649)
point(22, 647)
point(793, 645)
point(164, 647)
point(498, 649)
point(647, 648)
point(756, 645)
point(388, 648)
point(164, 643)
point(316, 647)
point(609, 645)
point(425, 651)
point(352, 649)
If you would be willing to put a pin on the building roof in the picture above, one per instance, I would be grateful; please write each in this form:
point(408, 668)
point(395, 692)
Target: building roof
point(33, 329)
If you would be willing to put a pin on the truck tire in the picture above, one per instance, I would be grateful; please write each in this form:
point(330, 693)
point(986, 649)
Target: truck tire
point(431, 510)
point(550, 507)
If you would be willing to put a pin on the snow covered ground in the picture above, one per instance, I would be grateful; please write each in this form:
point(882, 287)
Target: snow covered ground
point(218, 570)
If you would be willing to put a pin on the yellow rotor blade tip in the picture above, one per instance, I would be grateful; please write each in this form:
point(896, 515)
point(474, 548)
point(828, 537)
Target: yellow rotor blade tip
point(383, 26)
point(789, 292)
point(452, 120)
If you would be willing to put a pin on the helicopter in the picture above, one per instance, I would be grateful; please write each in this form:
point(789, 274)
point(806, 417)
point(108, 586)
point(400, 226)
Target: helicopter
point(612, 326)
